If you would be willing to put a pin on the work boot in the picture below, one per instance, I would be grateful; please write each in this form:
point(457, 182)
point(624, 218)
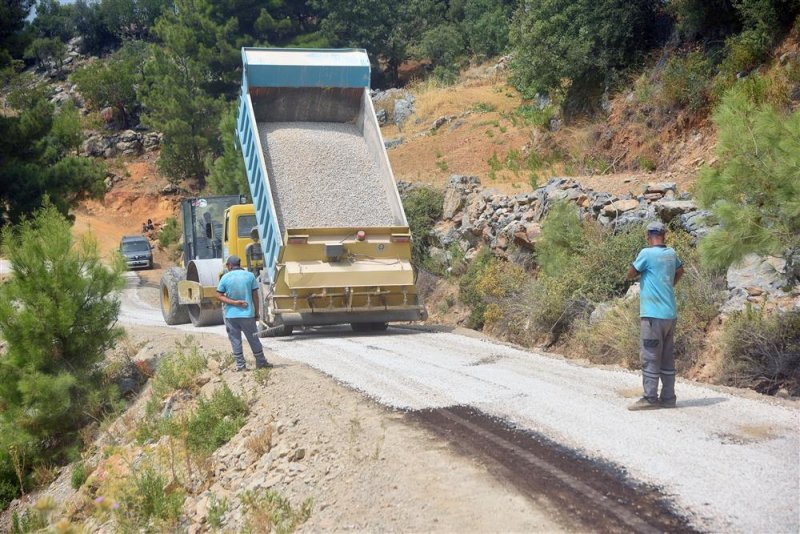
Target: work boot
point(643, 404)
point(668, 403)
point(264, 365)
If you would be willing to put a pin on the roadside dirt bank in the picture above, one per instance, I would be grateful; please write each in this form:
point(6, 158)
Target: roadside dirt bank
point(365, 467)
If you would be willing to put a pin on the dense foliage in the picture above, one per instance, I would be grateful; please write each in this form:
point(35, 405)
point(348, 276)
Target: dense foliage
point(574, 52)
point(58, 316)
point(578, 46)
point(754, 190)
point(35, 156)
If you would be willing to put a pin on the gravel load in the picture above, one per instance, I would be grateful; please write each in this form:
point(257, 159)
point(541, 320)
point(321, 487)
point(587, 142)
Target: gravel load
point(322, 175)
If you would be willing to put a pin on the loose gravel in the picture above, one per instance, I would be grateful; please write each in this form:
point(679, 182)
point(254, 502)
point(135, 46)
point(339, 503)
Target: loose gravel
point(727, 459)
point(322, 175)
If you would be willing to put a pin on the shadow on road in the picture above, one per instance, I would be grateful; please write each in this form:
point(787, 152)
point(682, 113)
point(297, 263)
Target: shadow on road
point(342, 331)
point(696, 403)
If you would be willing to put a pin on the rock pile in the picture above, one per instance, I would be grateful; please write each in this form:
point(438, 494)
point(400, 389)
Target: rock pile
point(126, 143)
point(474, 215)
point(393, 106)
point(763, 282)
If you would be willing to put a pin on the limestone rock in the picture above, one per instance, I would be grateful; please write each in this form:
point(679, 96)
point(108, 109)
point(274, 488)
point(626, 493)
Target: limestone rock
point(669, 209)
point(620, 206)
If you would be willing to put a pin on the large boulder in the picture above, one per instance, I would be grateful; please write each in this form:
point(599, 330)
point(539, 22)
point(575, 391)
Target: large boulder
point(669, 209)
point(614, 209)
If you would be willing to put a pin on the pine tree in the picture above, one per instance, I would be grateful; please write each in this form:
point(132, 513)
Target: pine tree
point(58, 316)
point(754, 190)
point(227, 175)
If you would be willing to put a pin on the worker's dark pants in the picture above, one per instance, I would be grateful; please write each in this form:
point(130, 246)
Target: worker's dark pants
point(658, 359)
point(247, 326)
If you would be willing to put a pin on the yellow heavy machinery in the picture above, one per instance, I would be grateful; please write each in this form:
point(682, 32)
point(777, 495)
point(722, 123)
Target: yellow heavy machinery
point(356, 270)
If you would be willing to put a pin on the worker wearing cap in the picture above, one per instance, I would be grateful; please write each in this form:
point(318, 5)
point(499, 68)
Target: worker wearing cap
point(238, 291)
point(659, 269)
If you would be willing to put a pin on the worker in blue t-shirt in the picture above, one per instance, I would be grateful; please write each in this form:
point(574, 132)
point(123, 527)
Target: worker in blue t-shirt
point(659, 269)
point(238, 291)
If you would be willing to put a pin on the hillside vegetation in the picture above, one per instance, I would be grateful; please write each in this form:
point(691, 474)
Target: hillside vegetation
point(616, 94)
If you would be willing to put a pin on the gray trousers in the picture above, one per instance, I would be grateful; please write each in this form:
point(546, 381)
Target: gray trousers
point(247, 326)
point(658, 358)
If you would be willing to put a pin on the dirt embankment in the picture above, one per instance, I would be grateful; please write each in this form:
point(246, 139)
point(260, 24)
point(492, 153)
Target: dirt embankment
point(362, 466)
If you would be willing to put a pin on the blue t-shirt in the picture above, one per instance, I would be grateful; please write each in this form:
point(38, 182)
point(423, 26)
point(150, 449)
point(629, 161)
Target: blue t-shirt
point(238, 285)
point(657, 266)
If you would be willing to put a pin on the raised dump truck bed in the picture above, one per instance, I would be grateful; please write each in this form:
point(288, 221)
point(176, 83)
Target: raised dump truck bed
point(335, 237)
point(323, 175)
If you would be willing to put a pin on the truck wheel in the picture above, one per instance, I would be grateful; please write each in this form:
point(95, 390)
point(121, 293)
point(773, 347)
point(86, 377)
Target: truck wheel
point(172, 312)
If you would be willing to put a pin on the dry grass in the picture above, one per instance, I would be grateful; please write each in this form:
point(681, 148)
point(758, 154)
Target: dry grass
point(261, 443)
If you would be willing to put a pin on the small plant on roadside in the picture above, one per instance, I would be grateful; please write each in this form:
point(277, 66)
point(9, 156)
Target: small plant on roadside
point(261, 443)
point(468, 291)
point(423, 207)
point(215, 421)
point(216, 510)
point(147, 501)
point(273, 510)
point(169, 233)
point(78, 476)
point(442, 164)
point(763, 351)
point(261, 375)
point(179, 370)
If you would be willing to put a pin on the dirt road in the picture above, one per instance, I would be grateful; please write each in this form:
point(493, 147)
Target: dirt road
point(725, 460)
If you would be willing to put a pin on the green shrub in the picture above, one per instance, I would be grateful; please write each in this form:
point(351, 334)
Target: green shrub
point(468, 287)
point(216, 510)
point(684, 81)
point(647, 164)
point(561, 240)
point(613, 339)
point(178, 370)
point(484, 107)
point(745, 51)
point(148, 502)
point(533, 115)
point(581, 264)
point(763, 351)
point(215, 421)
point(169, 233)
point(423, 207)
point(78, 476)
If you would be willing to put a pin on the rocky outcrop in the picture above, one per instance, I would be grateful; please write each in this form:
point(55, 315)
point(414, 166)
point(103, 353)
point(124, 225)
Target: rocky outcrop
point(474, 215)
point(126, 143)
point(393, 106)
point(761, 281)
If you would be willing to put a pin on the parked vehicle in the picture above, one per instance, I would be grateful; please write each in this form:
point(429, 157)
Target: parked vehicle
point(137, 251)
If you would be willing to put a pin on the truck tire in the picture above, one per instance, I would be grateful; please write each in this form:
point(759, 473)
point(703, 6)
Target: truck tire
point(172, 312)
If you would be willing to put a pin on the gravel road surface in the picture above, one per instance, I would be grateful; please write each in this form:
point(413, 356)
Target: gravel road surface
point(322, 175)
point(727, 459)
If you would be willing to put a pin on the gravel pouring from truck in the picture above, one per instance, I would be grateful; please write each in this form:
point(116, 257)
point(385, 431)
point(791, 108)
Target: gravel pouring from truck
point(336, 242)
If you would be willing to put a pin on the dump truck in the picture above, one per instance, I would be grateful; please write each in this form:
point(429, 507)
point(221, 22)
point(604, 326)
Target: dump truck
point(335, 240)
